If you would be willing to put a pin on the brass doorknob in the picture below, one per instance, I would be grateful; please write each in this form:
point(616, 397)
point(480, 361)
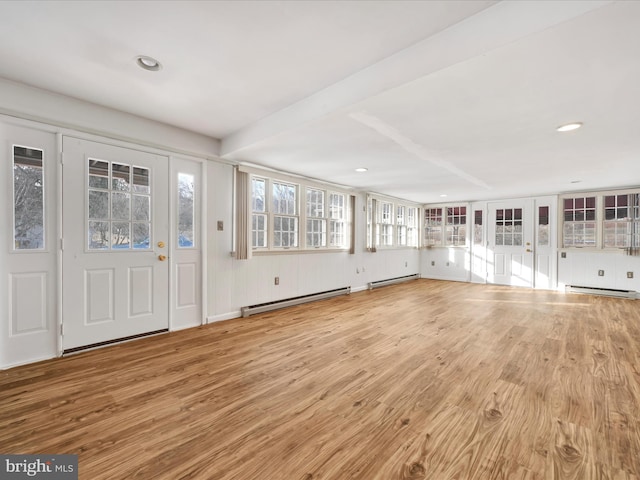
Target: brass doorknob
point(161, 244)
point(162, 258)
point(528, 250)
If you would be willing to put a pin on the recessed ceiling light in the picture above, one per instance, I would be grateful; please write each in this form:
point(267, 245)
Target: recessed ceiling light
point(148, 63)
point(443, 195)
point(569, 127)
point(361, 169)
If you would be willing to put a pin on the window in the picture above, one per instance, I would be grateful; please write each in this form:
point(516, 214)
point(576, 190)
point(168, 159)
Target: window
point(119, 212)
point(617, 221)
point(401, 225)
point(338, 220)
point(285, 221)
point(477, 228)
point(259, 215)
point(28, 198)
point(186, 210)
point(316, 222)
point(287, 215)
point(384, 227)
point(456, 228)
point(433, 226)
point(412, 226)
point(445, 226)
point(579, 229)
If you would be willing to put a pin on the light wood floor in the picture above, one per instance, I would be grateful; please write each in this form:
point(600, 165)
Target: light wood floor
point(425, 380)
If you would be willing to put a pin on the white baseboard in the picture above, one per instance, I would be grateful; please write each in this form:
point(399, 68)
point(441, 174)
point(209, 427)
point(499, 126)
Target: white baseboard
point(359, 289)
point(224, 316)
point(26, 362)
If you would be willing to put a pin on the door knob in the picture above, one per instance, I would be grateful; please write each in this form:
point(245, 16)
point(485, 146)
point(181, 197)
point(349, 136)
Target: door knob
point(162, 258)
point(161, 244)
point(528, 250)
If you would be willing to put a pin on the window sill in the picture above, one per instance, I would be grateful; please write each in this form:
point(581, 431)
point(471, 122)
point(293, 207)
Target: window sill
point(298, 251)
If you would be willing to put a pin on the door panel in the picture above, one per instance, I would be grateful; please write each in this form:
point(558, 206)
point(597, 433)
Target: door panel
point(186, 254)
point(510, 243)
point(116, 237)
point(28, 245)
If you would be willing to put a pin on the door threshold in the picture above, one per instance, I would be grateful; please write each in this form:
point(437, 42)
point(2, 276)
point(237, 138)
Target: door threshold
point(93, 346)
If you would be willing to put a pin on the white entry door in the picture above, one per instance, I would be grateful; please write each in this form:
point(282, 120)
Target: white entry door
point(115, 243)
point(510, 243)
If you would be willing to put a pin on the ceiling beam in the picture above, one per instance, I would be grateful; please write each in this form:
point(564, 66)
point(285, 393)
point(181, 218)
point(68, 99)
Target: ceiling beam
point(492, 28)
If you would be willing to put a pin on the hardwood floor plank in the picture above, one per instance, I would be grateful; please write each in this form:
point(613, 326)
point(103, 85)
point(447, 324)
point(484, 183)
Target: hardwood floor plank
point(425, 380)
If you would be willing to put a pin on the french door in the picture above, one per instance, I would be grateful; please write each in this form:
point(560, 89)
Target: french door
point(510, 253)
point(115, 245)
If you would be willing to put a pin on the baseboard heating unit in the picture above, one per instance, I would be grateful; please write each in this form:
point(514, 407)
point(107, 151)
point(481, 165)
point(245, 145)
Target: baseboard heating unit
point(289, 302)
point(609, 292)
point(391, 281)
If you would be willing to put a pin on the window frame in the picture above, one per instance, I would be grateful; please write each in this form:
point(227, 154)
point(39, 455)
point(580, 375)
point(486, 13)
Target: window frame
point(386, 223)
point(444, 212)
point(301, 215)
point(600, 219)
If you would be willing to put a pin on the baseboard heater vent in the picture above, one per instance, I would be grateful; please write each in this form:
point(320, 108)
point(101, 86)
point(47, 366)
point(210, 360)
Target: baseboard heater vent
point(93, 346)
point(391, 281)
point(609, 292)
point(289, 302)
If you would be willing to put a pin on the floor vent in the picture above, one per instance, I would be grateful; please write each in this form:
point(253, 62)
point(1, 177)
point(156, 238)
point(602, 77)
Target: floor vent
point(609, 292)
point(289, 302)
point(391, 281)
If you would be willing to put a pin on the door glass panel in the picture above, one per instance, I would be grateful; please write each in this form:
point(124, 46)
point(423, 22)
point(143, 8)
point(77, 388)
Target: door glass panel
point(120, 206)
point(118, 220)
point(141, 180)
point(141, 208)
point(186, 211)
point(98, 174)
point(543, 226)
point(28, 199)
point(120, 235)
point(477, 227)
point(120, 177)
point(98, 205)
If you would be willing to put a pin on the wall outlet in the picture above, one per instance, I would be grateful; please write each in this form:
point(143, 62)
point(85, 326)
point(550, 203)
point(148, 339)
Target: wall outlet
point(563, 254)
point(220, 225)
point(601, 273)
point(629, 274)
point(276, 281)
point(357, 270)
point(447, 264)
point(406, 264)
point(433, 263)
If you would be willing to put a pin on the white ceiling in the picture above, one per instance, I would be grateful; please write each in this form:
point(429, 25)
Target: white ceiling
point(436, 97)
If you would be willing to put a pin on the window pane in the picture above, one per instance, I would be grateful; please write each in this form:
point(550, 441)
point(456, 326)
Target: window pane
point(259, 230)
point(120, 235)
point(186, 210)
point(120, 177)
point(141, 210)
point(284, 199)
point(119, 206)
point(98, 205)
point(28, 198)
point(98, 235)
point(141, 180)
point(258, 189)
point(315, 203)
point(98, 174)
point(141, 239)
point(316, 233)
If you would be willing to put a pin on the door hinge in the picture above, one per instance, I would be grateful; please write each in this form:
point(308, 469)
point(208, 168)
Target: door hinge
point(62, 329)
point(61, 158)
point(62, 244)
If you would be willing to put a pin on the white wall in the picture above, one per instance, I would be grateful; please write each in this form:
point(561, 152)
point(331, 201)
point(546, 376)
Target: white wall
point(580, 268)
